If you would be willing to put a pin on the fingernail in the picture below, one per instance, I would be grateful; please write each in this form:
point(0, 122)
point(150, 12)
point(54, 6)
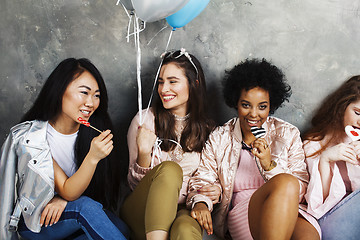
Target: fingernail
point(46, 225)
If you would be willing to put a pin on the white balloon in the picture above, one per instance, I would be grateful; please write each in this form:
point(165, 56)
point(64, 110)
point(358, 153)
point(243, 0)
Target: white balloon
point(154, 10)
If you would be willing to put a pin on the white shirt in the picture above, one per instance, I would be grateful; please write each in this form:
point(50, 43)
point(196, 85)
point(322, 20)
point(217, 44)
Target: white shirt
point(62, 149)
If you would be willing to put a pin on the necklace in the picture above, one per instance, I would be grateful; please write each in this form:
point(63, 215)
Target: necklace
point(177, 118)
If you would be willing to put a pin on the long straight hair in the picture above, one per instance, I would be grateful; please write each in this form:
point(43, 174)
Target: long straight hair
point(48, 105)
point(198, 126)
point(329, 118)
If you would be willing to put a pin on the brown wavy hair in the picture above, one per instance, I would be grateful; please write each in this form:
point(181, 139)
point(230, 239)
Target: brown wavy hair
point(198, 125)
point(329, 118)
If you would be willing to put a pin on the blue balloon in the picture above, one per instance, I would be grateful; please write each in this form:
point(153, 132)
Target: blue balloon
point(187, 13)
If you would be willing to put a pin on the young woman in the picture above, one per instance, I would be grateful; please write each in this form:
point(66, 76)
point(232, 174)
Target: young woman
point(333, 159)
point(159, 177)
point(263, 179)
point(61, 168)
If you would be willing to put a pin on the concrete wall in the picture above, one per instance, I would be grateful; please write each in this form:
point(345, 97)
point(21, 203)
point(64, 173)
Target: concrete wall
point(316, 43)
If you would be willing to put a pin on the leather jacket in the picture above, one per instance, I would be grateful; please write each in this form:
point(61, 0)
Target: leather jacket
point(26, 177)
point(220, 159)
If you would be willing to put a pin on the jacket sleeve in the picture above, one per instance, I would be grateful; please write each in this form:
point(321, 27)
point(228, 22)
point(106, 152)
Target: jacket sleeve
point(136, 172)
point(292, 161)
point(8, 162)
point(205, 174)
point(317, 206)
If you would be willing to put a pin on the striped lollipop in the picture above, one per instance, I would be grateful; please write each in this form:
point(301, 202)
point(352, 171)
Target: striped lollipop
point(258, 131)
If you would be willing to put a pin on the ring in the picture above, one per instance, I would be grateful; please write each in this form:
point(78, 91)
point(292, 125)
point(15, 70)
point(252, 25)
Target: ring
point(266, 146)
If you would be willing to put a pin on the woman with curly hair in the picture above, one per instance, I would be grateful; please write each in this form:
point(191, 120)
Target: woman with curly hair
point(333, 159)
point(262, 178)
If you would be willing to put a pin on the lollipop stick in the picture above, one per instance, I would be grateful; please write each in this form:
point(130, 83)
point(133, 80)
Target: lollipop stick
point(95, 129)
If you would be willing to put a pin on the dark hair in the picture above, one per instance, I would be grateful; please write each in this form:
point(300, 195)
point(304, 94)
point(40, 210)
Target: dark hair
point(329, 118)
point(256, 73)
point(198, 125)
point(48, 106)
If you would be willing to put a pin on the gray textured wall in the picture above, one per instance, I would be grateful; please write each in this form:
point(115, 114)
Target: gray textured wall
point(316, 43)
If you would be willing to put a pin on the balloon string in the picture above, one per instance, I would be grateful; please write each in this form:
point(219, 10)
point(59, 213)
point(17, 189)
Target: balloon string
point(138, 65)
point(167, 45)
point(156, 35)
point(155, 80)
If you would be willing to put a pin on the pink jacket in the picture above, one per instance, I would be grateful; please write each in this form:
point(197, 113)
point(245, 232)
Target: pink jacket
point(314, 196)
point(189, 163)
point(220, 159)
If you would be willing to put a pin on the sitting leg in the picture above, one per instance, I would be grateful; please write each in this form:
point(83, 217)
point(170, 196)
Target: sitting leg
point(151, 208)
point(273, 208)
point(83, 213)
point(342, 221)
point(185, 227)
point(304, 230)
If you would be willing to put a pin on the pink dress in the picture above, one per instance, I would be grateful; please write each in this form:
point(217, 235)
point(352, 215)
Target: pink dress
point(247, 181)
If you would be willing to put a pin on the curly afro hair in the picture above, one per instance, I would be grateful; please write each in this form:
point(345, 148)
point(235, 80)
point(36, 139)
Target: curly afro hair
point(256, 73)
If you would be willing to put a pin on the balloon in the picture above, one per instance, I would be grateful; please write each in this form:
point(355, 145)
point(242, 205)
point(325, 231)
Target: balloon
point(127, 4)
point(153, 10)
point(187, 13)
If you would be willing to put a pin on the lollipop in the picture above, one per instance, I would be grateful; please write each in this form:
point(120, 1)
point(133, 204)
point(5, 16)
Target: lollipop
point(258, 131)
point(86, 123)
point(353, 133)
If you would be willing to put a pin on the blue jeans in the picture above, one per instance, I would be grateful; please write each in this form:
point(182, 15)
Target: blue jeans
point(343, 220)
point(82, 214)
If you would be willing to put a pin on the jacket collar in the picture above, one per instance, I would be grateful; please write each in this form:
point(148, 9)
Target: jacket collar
point(36, 135)
point(237, 130)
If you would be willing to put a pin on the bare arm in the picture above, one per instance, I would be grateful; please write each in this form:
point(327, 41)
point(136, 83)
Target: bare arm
point(340, 152)
point(71, 188)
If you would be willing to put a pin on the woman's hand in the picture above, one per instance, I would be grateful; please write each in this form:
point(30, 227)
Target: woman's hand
point(52, 212)
point(261, 150)
point(145, 140)
point(341, 152)
point(211, 191)
point(202, 214)
point(101, 146)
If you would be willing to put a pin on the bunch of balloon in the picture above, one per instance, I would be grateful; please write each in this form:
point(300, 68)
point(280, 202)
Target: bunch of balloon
point(191, 10)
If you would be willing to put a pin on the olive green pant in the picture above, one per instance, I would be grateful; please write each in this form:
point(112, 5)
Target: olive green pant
point(153, 205)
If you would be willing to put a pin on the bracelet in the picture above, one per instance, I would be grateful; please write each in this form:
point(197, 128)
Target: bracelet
point(273, 164)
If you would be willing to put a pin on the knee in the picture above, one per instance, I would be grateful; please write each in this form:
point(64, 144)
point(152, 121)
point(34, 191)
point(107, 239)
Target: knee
point(185, 227)
point(87, 203)
point(170, 171)
point(286, 184)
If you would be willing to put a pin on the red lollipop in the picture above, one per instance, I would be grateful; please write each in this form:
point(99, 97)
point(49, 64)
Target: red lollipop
point(86, 123)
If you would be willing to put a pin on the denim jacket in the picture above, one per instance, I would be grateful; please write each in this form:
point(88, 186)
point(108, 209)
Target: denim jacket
point(26, 177)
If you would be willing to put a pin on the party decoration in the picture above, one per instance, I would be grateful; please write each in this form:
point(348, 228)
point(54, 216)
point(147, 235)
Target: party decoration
point(353, 133)
point(154, 10)
point(187, 13)
point(86, 123)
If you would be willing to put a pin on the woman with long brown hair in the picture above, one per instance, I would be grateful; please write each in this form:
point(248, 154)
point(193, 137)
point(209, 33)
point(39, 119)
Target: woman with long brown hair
point(165, 151)
point(333, 162)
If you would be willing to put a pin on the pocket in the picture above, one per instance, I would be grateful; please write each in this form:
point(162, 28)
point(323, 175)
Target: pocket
point(26, 205)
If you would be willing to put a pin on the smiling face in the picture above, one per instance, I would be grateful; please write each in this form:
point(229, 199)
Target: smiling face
point(352, 114)
point(253, 108)
point(81, 98)
point(173, 89)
